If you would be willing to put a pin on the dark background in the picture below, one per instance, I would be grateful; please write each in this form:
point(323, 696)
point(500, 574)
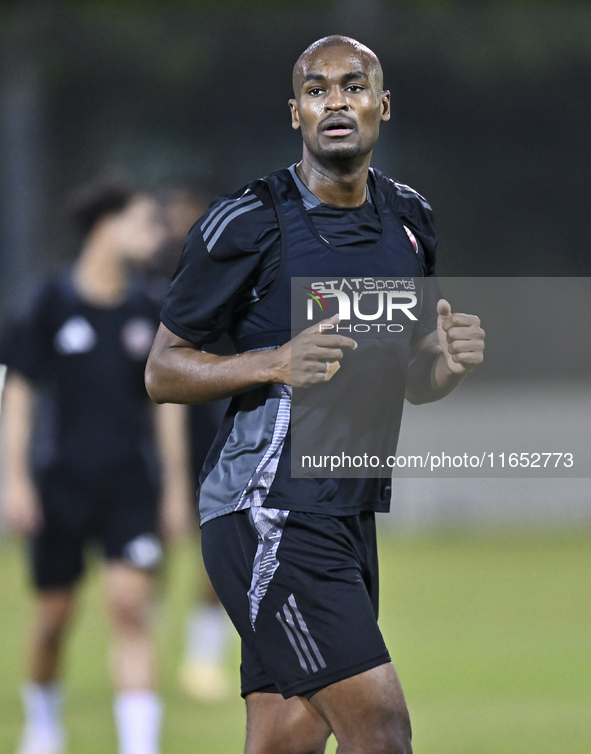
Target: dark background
point(491, 118)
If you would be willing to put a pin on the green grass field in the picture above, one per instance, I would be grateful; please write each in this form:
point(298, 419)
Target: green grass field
point(491, 636)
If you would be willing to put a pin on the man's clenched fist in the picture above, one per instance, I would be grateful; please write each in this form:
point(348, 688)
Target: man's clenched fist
point(313, 355)
point(461, 339)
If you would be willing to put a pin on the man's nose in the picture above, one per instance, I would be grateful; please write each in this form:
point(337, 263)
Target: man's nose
point(336, 99)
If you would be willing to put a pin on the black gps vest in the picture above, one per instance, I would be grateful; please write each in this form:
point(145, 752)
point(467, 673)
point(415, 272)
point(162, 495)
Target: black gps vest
point(305, 253)
point(250, 462)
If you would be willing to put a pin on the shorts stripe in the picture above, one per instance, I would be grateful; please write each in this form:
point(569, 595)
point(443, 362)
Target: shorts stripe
point(291, 615)
point(293, 643)
point(291, 623)
point(305, 631)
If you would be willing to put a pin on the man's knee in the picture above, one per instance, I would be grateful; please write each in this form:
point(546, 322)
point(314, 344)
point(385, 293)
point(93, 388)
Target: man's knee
point(287, 746)
point(52, 617)
point(367, 712)
point(394, 738)
point(128, 594)
point(129, 612)
point(279, 726)
point(50, 634)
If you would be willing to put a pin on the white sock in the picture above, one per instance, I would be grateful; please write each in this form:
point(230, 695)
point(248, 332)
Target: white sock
point(43, 707)
point(208, 631)
point(138, 716)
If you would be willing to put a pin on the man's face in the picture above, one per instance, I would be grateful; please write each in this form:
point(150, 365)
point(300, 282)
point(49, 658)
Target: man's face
point(139, 231)
point(339, 103)
point(180, 210)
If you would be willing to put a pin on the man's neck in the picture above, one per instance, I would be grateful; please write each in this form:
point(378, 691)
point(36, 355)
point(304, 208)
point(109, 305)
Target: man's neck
point(342, 184)
point(100, 277)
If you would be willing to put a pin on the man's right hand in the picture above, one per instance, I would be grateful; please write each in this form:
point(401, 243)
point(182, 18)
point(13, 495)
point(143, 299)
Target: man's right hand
point(22, 509)
point(179, 372)
point(312, 356)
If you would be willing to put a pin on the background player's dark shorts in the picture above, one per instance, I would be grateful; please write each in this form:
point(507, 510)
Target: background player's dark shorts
point(313, 596)
point(119, 511)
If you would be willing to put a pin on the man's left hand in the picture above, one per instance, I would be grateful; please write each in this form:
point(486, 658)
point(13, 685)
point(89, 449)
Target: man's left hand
point(461, 339)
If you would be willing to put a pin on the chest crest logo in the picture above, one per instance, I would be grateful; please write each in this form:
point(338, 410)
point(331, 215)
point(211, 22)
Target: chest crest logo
point(76, 335)
point(413, 240)
point(137, 336)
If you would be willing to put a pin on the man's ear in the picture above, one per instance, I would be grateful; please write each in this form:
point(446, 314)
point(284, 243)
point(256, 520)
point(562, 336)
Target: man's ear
point(295, 120)
point(385, 98)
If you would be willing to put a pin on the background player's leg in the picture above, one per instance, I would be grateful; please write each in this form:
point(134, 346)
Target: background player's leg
point(53, 612)
point(138, 709)
point(202, 673)
point(43, 732)
point(275, 725)
point(367, 713)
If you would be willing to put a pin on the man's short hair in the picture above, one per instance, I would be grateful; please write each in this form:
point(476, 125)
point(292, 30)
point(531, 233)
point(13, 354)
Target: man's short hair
point(334, 40)
point(106, 196)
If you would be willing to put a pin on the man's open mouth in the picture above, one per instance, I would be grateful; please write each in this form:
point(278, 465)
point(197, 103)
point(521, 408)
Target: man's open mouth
point(337, 127)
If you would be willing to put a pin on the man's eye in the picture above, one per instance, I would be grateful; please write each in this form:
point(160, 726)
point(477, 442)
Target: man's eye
point(316, 90)
point(354, 88)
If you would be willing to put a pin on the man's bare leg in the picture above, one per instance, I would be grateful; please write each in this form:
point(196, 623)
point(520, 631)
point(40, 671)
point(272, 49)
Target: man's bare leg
point(43, 730)
point(275, 725)
point(367, 713)
point(138, 709)
point(53, 612)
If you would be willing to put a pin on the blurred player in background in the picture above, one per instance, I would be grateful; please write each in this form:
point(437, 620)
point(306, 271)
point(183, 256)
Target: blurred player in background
point(82, 451)
point(202, 674)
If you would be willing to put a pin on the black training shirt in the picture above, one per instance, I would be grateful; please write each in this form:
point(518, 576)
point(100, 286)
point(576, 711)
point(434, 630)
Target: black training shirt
point(87, 363)
point(236, 261)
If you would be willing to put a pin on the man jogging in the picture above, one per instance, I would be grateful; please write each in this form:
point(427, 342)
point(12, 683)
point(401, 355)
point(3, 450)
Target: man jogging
point(294, 560)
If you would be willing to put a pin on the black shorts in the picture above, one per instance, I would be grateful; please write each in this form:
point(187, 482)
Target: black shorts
point(119, 512)
point(302, 591)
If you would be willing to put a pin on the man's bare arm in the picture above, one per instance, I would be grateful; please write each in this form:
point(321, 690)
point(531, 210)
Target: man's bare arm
point(177, 514)
point(22, 510)
point(178, 372)
point(441, 359)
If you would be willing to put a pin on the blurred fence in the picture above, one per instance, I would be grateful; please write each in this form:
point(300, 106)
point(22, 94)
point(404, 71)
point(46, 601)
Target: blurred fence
point(490, 114)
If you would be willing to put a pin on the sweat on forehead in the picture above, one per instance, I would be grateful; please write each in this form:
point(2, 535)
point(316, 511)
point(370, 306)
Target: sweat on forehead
point(336, 40)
